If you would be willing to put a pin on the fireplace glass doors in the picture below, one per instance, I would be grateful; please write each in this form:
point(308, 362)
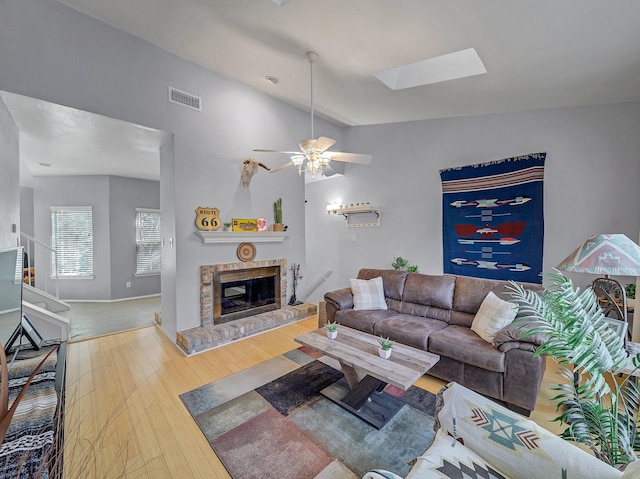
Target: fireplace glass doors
point(242, 293)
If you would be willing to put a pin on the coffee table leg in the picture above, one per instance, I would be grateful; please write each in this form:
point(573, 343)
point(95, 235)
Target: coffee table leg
point(351, 375)
point(362, 391)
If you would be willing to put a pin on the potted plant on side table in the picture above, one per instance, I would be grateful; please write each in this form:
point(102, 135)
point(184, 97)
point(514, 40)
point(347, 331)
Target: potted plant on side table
point(385, 347)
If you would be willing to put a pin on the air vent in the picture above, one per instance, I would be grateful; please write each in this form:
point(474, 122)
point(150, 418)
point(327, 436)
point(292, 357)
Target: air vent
point(185, 99)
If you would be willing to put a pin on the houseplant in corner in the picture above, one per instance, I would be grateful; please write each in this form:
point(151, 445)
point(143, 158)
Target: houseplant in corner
point(332, 329)
point(598, 403)
point(277, 215)
point(385, 347)
point(401, 263)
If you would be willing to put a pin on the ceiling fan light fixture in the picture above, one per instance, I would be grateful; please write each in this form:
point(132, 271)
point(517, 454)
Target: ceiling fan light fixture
point(313, 156)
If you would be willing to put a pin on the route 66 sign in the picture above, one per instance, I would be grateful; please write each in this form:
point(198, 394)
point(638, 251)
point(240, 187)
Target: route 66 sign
point(208, 219)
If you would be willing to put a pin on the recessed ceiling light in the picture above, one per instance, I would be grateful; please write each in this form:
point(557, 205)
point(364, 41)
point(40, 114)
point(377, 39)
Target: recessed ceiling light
point(44, 164)
point(464, 63)
point(271, 79)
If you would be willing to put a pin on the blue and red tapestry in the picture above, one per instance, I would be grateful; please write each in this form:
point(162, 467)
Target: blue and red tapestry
point(492, 214)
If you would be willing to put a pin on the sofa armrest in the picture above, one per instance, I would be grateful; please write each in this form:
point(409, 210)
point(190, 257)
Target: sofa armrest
point(518, 334)
point(337, 300)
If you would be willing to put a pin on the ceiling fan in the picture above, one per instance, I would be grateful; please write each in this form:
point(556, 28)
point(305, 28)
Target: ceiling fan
point(314, 155)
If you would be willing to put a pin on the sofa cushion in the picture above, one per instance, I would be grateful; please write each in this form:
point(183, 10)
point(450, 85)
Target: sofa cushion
point(448, 458)
point(434, 291)
point(493, 315)
point(470, 293)
point(362, 320)
point(368, 294)
point(462, 344)
point(409, 330)
point(392, 279)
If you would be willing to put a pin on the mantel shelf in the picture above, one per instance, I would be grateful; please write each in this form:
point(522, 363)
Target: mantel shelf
point(241, 237)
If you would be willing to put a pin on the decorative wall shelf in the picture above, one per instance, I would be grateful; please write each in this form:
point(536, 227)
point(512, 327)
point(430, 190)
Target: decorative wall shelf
point(209, 237)
point(359, 209)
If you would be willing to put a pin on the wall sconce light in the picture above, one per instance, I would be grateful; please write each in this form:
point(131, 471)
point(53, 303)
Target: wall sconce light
point(333, 208)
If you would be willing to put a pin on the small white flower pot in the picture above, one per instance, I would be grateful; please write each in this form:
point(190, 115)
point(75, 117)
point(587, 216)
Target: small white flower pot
point(384, 353)
point(332, 334)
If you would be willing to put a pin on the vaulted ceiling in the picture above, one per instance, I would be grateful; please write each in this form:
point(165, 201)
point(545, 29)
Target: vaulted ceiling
point(538, 53)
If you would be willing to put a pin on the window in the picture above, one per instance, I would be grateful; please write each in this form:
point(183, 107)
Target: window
point(148, 241)
point(72, 239)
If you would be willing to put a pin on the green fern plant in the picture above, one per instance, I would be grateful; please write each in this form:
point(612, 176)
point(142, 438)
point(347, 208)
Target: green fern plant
point(599, 407)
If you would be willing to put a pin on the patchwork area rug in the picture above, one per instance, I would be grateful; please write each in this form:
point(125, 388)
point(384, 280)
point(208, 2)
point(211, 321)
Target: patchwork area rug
point(270, 421)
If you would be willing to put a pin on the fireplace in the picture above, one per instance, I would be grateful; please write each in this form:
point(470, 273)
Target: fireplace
point(238, 290)
point(238, 294)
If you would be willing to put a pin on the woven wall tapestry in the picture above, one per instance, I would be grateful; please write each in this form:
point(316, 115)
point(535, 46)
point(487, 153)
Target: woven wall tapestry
point(492, 213)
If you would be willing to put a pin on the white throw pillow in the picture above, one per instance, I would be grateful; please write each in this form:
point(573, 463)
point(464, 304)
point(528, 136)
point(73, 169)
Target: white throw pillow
point(493, 315)
point(368, 294)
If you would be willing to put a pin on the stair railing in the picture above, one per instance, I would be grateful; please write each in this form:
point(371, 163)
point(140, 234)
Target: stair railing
point(316, 284)
point(41, 258)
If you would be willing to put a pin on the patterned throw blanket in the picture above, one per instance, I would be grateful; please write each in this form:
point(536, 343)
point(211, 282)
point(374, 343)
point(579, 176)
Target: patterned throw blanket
point(29, 443)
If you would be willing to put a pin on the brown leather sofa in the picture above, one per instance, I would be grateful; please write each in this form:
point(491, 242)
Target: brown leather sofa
point(434, 313)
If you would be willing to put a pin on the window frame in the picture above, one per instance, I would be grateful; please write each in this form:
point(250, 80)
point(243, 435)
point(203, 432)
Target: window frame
point(55, 240)
point(154, 272)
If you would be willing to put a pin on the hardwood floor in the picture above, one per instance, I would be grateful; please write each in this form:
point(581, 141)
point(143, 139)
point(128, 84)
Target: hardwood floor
point(90, 319)
point(123, 414)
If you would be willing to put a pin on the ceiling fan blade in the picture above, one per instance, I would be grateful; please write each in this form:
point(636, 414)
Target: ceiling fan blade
point(323, 143)
point(286, 165)
point(277, 151)
point(360, 158)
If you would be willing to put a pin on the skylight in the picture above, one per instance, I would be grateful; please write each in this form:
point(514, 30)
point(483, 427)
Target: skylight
point(464, 63)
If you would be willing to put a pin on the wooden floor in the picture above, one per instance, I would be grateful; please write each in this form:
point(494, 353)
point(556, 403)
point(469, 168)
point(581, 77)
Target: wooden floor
point(125, 419)
point(90, 319)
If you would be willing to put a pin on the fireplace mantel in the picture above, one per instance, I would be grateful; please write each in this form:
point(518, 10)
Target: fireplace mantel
point(209, 237)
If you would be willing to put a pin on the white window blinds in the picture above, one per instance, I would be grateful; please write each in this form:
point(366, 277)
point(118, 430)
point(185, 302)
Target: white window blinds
point(148, 241)
point(72, 239)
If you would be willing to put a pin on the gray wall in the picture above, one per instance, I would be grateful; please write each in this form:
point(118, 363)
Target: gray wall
point(125, 195)
point(9, 179)
point(26, 209)
point(591, 185)
point(75, 191)
point(51, 52)
point(114, 200)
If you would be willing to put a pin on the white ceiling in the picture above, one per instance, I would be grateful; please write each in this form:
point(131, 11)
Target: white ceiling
point(538, 54)
point(56, 140)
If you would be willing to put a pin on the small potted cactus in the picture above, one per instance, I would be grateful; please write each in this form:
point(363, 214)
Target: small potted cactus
point(385, 347)
point(278, 225)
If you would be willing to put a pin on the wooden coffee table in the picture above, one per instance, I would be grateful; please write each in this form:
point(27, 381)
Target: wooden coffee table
point(367, 374)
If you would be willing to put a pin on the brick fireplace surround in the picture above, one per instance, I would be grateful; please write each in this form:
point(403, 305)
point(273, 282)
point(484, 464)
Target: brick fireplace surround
point(208, 335)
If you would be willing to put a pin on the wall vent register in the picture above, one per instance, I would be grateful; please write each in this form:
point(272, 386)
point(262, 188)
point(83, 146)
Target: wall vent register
point(185, 99)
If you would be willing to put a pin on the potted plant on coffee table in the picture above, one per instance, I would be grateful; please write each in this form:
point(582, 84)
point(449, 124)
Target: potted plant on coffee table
point(385, 347)
point(599, 401)
point(332, 329)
